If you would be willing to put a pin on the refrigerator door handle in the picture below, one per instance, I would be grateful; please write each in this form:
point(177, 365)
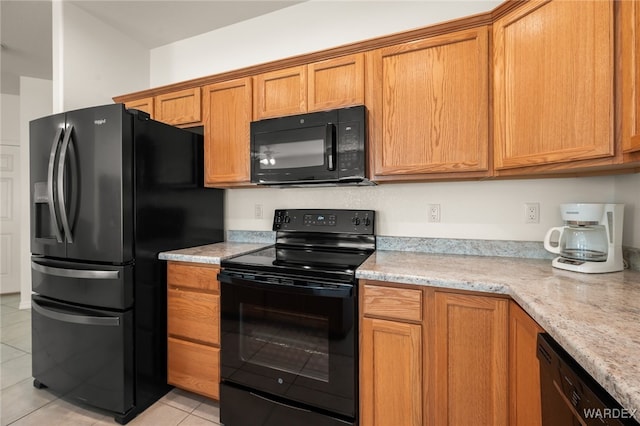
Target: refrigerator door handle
point(75, 319)
point(67, 146)
point(75, 273)
point(50, 189)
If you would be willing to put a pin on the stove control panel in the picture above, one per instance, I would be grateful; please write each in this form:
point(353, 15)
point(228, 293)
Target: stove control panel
point(325, 220)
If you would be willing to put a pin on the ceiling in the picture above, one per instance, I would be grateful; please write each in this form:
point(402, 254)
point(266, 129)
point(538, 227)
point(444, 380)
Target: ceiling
point(26, 27)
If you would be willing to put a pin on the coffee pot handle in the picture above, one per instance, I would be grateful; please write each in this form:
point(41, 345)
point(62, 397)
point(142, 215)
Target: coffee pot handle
point(548, 245)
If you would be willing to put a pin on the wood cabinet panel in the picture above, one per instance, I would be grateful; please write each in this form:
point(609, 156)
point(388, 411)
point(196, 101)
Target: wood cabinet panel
point(429, 106)
point(392, 303)
point(553, 84)
point(630, 68)
point(227, 118)
point(336, 83)
point(196, 276)
point(391, 373)
point(279, 93)
point(193, 327)
point(524, 369)
point(194, 315)
point(194, 367)
point(144, 104)
point(179, 108)
point(470, 359)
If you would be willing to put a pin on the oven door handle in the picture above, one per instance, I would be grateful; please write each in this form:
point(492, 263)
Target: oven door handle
point(337, 290)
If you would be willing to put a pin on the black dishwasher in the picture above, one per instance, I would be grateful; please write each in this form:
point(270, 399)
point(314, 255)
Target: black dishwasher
point(570, 396)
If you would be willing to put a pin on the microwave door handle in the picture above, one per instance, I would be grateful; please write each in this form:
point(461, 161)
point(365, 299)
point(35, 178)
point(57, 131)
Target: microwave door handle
point(331, 142)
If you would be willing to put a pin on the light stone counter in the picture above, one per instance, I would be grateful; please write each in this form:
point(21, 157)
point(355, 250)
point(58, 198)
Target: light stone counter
point(595, 317)
point(211, 253)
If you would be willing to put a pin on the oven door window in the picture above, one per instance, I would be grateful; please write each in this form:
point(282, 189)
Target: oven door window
point(301, 347)
point(285, 341)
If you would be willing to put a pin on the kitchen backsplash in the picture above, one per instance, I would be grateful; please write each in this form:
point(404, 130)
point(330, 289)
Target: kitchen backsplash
point(526, 249)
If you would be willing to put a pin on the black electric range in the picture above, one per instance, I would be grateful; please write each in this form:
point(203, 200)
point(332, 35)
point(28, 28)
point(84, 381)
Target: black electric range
point(289, 322)
point(324, 244)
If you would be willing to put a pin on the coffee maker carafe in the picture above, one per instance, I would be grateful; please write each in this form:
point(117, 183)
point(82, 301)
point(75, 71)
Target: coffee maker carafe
point(590, 241)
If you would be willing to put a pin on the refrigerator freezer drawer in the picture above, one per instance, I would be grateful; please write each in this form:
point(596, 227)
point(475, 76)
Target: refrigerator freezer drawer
point(103, 286)
point(84, 354)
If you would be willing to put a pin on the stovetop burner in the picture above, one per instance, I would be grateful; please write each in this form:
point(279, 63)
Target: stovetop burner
point(326, 244)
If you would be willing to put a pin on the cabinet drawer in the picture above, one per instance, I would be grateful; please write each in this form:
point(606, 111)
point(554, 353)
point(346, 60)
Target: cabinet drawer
point(193, 315)
point(194, 367)
point(191, 275)
point(393, 303)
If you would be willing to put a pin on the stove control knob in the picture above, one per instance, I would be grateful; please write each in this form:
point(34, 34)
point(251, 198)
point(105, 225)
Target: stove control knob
point(355, 221)
point(287, 219)
point(366, 221)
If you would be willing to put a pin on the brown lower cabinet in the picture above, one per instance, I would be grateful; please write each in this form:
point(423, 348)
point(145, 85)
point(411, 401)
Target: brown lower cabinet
point(430, 356)
point(193, 328)
point(524, 369)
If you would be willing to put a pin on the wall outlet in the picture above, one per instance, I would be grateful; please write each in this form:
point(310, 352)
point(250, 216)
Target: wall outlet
point(532, 213)
point(257, 211)
point(433, 213)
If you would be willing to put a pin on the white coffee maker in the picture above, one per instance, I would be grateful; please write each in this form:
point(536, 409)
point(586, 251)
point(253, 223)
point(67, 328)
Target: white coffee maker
point(590, 241)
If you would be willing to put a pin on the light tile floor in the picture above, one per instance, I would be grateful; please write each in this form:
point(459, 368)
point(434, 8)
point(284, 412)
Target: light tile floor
point(23, 405)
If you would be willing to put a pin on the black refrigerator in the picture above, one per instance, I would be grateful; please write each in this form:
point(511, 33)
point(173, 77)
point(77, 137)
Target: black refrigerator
point(110, 189)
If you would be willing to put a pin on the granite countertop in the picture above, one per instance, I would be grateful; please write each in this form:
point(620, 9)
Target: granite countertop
point(211, 253)
point(595, 317)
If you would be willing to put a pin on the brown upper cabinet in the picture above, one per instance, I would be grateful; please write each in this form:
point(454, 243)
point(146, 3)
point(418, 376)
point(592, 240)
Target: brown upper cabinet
point(553, 69)
point(532, 88)
point(630, 68)
point(314, 87)
point(428, 107)
point(181, 108)
point(143, 104)
point(227, 116)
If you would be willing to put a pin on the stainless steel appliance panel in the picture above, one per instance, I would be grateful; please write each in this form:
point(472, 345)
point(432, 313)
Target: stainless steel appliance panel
point(87, 353)
point(100, 201)
point(89, 284)
point(294, 340)
point(46, 136)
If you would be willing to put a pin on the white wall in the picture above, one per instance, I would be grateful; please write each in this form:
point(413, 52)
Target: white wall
point(92, 61)
point(36, 100)
point(10, 193)
point(627, 189)
point(478, 210)
point(306, 27)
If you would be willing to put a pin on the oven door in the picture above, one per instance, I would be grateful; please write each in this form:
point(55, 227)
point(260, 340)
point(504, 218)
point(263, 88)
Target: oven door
point(294, 340)
point(291, 155)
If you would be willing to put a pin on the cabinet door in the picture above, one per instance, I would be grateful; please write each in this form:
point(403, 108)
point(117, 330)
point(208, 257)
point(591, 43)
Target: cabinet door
point(194, 367)
point(390, 373)
point(336, 83)
point(429, 107)
point(179, 108)
point(470, 360)
point(553, 84)
point(630, 68)
point(227, 116)
point(524, 369)
point(279, 93)
point(144, 104)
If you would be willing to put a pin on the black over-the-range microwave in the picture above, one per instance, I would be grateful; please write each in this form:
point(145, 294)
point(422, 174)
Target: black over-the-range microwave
point(326, 147)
